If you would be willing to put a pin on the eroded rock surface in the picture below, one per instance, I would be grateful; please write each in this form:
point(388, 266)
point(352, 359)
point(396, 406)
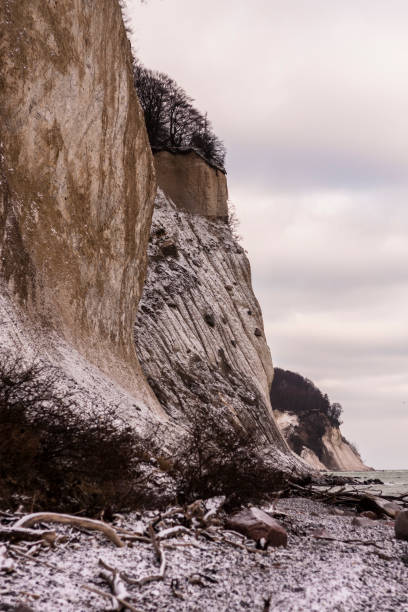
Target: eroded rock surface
point(332, 451)
point(319, 443)
point(77, 185)
point(196, 328)
point(339, 455)
point(192, 184)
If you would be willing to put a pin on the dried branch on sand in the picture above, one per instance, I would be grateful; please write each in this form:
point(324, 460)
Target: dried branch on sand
point(68, 519)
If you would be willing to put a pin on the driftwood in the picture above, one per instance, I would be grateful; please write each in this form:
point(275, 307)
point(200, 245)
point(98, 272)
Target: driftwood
point(324, 536)
point(16, 551)
point(118, 588)
point(135, 538)
point(14, 534)
point(351, 497)
point(172, 531)
point(161, 558)
point(224, 540)
point(125, 604)
point(6, 564)
point(68, 519)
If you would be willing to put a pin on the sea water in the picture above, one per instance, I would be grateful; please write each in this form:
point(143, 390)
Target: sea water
point(395, 481)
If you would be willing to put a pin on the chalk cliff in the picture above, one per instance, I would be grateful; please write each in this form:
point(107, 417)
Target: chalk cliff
point(328, 450)
point(192, 183)
point(76, 191)
point(77, 183)
point(199, 332)
point(311, 424)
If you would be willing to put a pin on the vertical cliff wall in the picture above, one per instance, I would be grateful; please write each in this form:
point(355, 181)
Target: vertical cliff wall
point(192, 183)
point(77, 185)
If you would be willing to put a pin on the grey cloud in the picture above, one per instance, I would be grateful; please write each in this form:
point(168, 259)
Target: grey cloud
point(279, 167)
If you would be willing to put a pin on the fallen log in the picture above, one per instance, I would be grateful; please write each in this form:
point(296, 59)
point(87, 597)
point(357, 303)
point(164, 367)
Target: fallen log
point(68, 519)
point(367, 500)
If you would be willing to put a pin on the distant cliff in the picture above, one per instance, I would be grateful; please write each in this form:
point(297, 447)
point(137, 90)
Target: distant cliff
point(311, 424)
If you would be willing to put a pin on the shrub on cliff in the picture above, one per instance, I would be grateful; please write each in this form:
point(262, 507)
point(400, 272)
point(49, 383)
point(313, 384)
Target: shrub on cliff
point(291, 392)
point(171, 120)
point(57, 456)
point(219, 457)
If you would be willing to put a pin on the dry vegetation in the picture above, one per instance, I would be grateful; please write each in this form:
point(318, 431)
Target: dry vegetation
point(54, 455)
point(219, 457)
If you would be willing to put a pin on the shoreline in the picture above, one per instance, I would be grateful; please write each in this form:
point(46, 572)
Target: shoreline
point(328, 564)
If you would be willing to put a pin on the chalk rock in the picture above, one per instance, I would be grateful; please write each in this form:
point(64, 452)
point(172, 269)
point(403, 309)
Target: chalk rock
point(258, 525)
point(401, 525)
point(192, 184)
point(77, 185)
point(314, 436)
point(194, 334)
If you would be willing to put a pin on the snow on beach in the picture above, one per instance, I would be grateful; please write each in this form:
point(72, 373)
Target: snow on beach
point(368, 572)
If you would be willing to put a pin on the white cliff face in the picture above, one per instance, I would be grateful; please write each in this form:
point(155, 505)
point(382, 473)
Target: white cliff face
point(312, 459)
point(339, 455)
point(329, 451)
point(199, 332)
point(76, 185)
point(286, 421)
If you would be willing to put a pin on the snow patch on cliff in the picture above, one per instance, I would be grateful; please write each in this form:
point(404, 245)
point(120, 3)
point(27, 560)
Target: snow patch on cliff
point(20, 338)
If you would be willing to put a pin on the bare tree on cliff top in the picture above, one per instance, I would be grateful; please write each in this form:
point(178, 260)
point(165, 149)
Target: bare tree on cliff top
point(171, 120)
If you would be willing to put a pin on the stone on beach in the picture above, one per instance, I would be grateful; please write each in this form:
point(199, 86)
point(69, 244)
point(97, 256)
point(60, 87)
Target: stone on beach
point(362, 521)
point(392, 509)
point(258, 525)
point(401, 525)
point(370, 515)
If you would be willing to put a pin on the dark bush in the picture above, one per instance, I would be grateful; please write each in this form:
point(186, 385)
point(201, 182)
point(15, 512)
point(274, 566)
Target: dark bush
point(291, 392)
point(172, 122)
point(60, 454)
point(219, 457)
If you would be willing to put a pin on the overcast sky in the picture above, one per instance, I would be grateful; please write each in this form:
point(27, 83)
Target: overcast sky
point(311, 100)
